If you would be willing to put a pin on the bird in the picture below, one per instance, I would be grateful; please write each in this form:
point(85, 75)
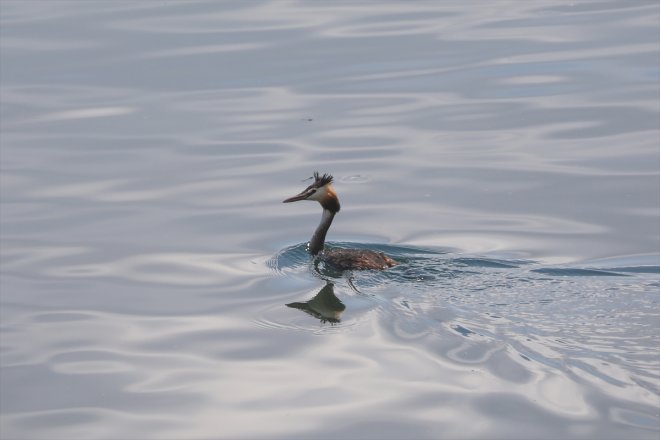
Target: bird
point(322, 191)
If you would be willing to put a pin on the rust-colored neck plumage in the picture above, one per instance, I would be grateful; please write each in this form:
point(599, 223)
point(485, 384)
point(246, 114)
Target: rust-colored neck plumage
point(329, 200)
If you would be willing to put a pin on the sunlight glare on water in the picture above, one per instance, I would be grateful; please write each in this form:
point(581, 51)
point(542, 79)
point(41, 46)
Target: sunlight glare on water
point(505, 153)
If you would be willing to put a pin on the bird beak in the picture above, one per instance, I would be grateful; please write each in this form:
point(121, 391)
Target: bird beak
point(302, 196)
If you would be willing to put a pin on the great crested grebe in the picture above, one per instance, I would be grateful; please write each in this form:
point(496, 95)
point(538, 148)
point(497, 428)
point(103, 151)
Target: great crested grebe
point(344, 259)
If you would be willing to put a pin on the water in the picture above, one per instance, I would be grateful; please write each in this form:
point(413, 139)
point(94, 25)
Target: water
point(154, 285)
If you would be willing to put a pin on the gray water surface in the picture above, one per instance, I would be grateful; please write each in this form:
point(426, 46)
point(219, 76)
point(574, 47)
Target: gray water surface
point(154, 286)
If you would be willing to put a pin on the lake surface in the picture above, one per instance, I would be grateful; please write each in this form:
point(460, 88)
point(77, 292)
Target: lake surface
point(504, 152)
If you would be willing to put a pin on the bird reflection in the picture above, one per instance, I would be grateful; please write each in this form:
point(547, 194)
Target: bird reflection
point(325, 306)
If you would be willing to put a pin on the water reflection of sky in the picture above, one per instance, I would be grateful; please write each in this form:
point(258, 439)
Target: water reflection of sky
point(507, 152)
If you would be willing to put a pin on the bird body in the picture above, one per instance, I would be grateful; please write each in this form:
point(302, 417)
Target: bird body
point(321, 190)
point(348, 259)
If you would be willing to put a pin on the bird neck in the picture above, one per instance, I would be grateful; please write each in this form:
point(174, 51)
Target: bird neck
point(318, 239)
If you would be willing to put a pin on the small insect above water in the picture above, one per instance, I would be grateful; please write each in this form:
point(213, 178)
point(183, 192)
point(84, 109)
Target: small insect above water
point(321, 190)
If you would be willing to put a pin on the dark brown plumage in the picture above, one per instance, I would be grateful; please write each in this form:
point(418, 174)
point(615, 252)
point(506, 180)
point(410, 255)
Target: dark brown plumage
point(347, 259)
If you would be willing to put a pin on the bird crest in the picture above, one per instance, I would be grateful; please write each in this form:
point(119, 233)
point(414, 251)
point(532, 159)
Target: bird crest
point(321, 180)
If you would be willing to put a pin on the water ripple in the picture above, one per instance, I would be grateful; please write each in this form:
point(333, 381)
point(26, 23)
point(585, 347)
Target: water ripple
point(505, 154)
point(171, 269)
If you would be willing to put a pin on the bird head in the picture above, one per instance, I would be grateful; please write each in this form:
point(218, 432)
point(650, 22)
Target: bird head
point(320, 190)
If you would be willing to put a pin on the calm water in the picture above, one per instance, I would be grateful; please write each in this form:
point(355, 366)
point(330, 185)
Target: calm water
point(154, 286)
